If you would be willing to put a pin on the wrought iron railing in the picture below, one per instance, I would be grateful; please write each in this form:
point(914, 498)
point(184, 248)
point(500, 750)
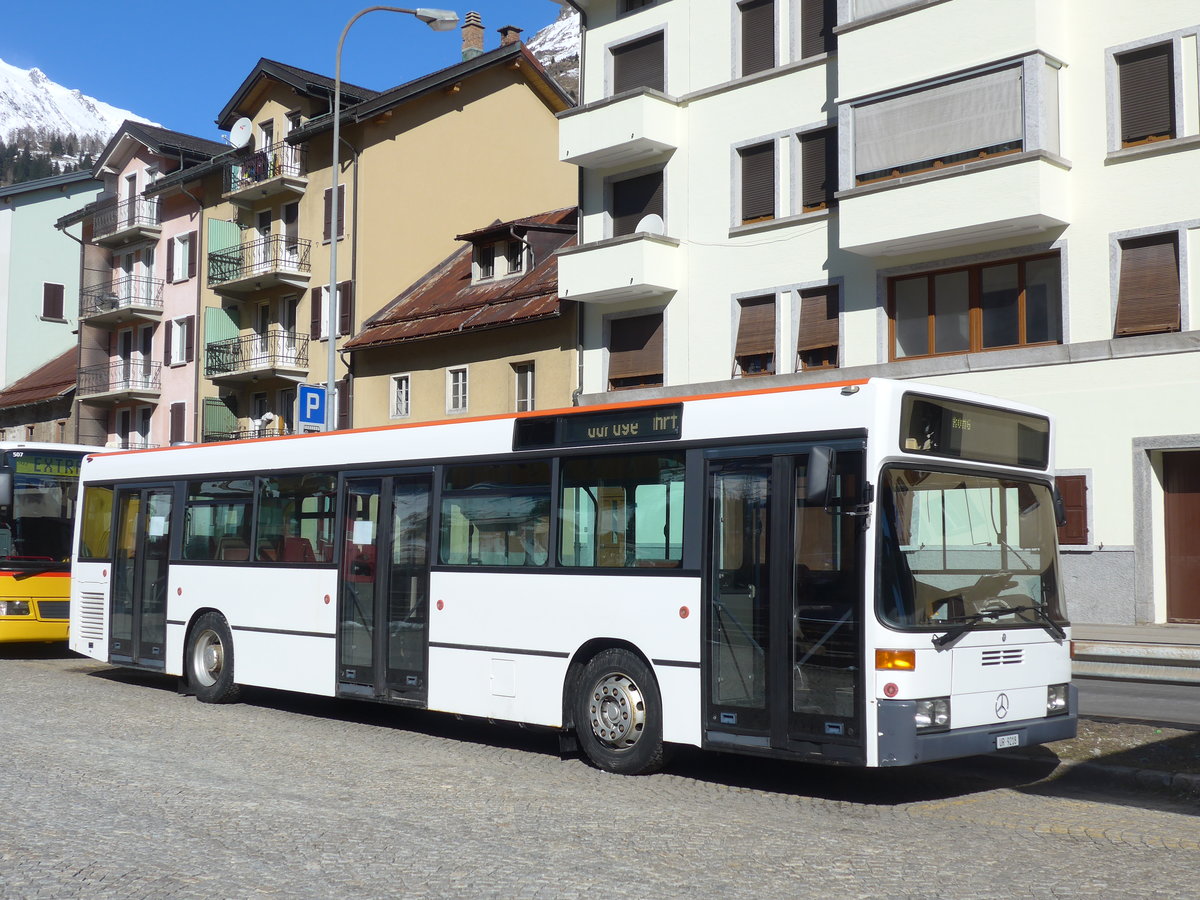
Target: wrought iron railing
point(275, 349)
point(275, 161)
point(131, 445)
point(121, 293)
point(122, 375)
point(245, 434)
point(276, 253)
point(140, 212)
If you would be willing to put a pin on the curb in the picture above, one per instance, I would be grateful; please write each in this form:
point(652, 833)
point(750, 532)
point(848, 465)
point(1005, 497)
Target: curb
point(1180, 783)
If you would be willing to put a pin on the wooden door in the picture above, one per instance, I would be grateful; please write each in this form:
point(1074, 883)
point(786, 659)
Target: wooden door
point(1181, 477)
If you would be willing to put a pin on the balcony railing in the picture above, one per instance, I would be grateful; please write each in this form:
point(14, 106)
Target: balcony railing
point(130, 444)
point(271, 351)
point(278, 161)
point(128, 215)
point(120, 378)
point(273, 259)
point(120, 294)
point(246, 434)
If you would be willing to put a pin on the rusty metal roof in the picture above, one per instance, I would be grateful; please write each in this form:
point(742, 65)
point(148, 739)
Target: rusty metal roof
point(47, 382)
point(444, 301)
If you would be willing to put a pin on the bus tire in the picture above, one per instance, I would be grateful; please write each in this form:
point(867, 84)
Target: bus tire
point(209, 660)
point(618, 714)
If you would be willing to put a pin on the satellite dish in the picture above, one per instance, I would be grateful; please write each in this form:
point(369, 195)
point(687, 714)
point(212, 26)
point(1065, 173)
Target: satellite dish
point(241, 133)
point(651, 224)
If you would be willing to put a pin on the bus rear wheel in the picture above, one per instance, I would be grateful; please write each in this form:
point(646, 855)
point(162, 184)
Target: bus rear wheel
point(209, 660)
point(618, 714)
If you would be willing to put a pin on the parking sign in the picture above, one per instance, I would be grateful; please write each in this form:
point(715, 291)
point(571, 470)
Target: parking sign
point(312, 407)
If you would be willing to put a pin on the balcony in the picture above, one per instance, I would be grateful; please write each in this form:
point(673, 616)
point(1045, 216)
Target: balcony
point(275, 429)
point(276, 172)
point(124, 299)
point(276, 354)
point(620, 132)
point(120, 382)
point(117, 224)
point(1020, 194)
point(632, 267)
point(273, 261)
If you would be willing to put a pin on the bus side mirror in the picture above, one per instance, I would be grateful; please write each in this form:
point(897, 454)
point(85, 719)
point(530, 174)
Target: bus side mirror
point(1060, 509)
point(6, 488)
point(822, 469)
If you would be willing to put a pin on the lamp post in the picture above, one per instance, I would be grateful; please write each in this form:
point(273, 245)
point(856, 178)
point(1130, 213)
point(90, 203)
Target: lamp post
point(438, 20)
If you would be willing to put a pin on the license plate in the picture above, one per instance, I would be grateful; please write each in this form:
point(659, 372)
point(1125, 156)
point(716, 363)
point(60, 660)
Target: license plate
point(1004, 741)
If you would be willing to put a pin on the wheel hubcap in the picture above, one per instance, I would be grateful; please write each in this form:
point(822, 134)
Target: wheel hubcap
point(617, 711)
point(209, 658)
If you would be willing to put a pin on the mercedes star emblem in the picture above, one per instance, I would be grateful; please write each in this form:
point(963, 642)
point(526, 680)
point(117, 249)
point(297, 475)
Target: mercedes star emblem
point(1001, 705)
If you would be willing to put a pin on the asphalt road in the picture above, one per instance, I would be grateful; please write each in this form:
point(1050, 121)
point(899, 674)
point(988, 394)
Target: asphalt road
point(1143, 701)
point(114, 786)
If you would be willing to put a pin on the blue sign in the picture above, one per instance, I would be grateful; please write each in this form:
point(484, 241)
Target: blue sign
point(312, 405)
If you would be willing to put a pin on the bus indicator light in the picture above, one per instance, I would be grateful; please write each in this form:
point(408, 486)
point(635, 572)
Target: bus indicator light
point(326, 599)
point(890, 689)
point(684, 612)
point(905, 660)
point(441, 604)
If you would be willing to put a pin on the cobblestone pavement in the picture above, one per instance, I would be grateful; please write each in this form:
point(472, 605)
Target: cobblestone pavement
point(112, 785)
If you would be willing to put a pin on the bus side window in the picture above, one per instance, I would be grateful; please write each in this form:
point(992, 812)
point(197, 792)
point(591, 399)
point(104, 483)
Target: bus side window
point(95, 539)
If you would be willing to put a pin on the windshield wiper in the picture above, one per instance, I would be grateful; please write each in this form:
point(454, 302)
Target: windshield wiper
point(971, 621)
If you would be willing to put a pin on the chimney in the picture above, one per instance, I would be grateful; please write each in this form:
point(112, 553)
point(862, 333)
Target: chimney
point(509, 34)
point(472, 36)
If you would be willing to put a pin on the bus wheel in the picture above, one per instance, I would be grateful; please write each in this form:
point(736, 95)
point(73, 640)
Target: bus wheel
point(618, 714)
point(209, 661)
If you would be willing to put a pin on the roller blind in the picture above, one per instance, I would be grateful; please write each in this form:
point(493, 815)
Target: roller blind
point(639, 64)
point(818, 319)
point(635, 347)
point(756, 326)
point(818, 169)
point(635, 198)
point(758, 182)
point(1147, 94)
point(758, 35)
point(1148, 297)
point(957, 117)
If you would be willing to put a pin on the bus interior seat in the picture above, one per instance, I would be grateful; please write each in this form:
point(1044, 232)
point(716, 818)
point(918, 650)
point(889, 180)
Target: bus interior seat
point(298, 549)
point(268, 550)
point(233, 548)
point(198, 546)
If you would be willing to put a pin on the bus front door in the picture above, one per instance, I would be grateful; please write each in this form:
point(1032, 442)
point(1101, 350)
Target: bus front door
point(783, 654)
point(384, 588)
point(138, 621)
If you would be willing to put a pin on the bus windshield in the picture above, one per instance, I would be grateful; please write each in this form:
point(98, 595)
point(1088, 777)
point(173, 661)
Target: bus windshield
point(35, 531)
point(959, 549)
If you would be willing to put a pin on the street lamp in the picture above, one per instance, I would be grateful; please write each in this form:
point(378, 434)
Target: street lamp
point(438, 20)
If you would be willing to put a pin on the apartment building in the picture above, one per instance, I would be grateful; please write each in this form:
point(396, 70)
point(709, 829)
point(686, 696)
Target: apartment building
point(994, 196)
point(139, 292)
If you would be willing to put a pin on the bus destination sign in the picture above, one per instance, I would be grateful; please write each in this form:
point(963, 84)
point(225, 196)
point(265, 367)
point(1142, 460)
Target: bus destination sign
point(25, 463)
point(652, 423)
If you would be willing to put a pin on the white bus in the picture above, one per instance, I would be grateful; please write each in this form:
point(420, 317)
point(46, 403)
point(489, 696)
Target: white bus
point(862, 573)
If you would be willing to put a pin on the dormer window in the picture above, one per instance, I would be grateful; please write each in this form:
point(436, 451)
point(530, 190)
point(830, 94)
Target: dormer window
point(499, 259)
point(515, 257)
point(485, 262)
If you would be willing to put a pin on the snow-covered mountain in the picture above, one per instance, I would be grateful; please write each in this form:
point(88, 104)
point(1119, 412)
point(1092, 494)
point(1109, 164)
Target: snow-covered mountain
point(557, 48)
point(30, 100)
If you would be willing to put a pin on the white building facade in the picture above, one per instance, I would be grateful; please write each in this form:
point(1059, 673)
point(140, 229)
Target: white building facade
point(996, 196)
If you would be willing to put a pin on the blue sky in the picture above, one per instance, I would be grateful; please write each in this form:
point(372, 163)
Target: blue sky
point(178, 63)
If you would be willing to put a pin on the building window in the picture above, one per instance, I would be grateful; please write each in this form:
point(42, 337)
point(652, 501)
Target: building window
point(758, 182)
point(181, 257)
point(515, 256)
point(952, 122)
point(485, 262)
point(341, 211)
point(633, 199)
point(1148, 296)
point(817, 21)
point(640, 64)
point(456, 389)
point(820, 333)
point(319, 318)
point(523, 376)
point(52, 301)
point(1147, 95)
point(401, 396)
point(180, 341)
point(757, 19)
point(982, 307)
point(1073, 490)
point(754, 350)
point(635, 352)
point(818, 169)
point(628, 6)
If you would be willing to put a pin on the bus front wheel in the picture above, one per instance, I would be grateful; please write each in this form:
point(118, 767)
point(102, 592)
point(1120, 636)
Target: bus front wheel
point(210, 660)
point(618, 714)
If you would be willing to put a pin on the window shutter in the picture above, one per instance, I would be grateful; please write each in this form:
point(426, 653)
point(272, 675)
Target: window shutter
point(345, 397)
point(635, 347)
point(817, 18)
point(758, 35)
point(639, 64)
point(189, 339)
point(1148, 297)
point(818, 319)
point(818, 169)
point(1073, 490)
point(178, 411)
point(167, 348)
point(635, 198)
point(756, 326)
point(758, 182)
point(341, 210)
point(193, 245)
point(315, 319)
point(345, 307)
point(52, 300)
point(325, 215)
point(171, 261)
point(1147, 93)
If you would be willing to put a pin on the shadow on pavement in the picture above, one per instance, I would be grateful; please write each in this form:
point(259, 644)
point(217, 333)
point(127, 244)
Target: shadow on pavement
point(56, 650)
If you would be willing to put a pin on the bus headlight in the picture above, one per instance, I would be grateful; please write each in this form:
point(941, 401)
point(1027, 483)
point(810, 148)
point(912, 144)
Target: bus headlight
point(933, 714)
point(1056, 699)
point(14, 607)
